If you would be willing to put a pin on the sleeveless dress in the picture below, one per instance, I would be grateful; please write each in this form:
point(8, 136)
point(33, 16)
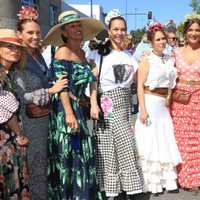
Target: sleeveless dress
point(156, 143)
point(186, 119)
point(13, 162)
point(71, 170)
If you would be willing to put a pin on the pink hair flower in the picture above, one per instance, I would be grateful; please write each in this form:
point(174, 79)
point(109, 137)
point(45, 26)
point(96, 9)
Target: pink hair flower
point(28, 12)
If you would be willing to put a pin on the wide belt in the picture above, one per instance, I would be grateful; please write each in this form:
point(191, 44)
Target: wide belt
point(189, 82)
point(163, 92)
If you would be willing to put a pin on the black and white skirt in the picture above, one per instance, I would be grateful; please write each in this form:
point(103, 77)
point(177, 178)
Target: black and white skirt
point(116, 155)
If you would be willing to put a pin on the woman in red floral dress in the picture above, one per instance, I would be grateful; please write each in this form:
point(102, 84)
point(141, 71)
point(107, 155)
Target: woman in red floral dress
point(186, 117)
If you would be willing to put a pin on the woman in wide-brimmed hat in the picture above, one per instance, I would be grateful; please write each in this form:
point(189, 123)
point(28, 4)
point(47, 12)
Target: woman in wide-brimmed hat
point(71, 169)
point(13, 167)
point(32, 88)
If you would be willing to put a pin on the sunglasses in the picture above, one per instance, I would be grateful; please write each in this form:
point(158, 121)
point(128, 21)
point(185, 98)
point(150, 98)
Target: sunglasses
point(173, 38)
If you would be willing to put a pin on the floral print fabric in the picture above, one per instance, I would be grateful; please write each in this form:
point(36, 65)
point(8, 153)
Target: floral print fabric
point(13, 165)
point(71, 170)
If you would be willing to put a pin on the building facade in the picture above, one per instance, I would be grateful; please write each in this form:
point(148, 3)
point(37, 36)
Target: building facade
point(48, 12)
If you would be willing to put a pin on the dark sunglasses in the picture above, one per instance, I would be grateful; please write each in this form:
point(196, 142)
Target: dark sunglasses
point(173, 38)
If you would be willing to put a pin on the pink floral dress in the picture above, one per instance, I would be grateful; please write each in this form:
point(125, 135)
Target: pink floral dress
point(186, 119)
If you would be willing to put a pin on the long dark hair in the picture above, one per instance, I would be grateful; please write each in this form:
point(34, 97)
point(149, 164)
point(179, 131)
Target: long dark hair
point(188, 23)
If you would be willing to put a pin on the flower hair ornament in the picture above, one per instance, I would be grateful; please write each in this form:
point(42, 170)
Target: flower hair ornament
point(113, 13)
point(154, 26)
point(191, 16)
point(28, 12)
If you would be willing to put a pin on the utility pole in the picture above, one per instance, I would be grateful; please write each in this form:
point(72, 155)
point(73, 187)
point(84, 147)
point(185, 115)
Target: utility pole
point(91, 8)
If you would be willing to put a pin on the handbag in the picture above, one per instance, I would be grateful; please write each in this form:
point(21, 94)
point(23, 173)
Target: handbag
point(35, 111)
point(85, 101)
point(86, 106)
point(182, 96)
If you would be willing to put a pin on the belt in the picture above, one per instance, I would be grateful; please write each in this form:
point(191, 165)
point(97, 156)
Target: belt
point(189, 82)
point(163, 92)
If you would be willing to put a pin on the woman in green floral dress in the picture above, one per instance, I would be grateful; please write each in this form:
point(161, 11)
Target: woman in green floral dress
point(71, 169)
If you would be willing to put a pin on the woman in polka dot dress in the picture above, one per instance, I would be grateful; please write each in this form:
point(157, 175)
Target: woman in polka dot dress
point(186, 118)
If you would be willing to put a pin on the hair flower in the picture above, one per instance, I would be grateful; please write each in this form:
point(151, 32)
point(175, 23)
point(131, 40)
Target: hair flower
point(28, 12)
point(191, 16)
point(113, 13)
point(107, 106)
point(154, 26)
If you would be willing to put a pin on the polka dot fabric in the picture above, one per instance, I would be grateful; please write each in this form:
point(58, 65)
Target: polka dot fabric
point(186, 119)
point(8, 105)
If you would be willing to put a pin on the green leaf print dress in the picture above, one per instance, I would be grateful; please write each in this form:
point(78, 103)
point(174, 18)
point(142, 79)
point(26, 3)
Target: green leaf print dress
point(71, 165)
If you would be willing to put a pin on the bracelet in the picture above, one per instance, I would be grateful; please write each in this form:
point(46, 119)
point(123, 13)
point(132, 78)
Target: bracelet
point(19, 135)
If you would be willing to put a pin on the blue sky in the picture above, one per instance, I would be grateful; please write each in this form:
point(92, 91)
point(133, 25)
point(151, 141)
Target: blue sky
point(162, 10)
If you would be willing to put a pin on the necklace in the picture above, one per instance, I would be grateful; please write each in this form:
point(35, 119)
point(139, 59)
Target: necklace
point(161, 57)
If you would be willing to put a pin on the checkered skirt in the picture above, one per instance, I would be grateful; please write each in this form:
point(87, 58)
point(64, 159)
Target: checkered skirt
point(116, 156)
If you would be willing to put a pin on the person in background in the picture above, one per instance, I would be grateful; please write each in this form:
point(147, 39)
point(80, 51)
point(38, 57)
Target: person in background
point(71, 167)
point(172, 42)
point(32, 86)
point(116, 156)
point(186, 117)
point(158, 151)
point(142, 47)
point(13, 162)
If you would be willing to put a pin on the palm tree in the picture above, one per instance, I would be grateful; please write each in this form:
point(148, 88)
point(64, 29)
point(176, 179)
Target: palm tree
point(195, 4)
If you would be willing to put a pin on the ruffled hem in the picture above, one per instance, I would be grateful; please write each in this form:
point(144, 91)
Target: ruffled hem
point(157, 141)
point(158, 176)
point(128, 181)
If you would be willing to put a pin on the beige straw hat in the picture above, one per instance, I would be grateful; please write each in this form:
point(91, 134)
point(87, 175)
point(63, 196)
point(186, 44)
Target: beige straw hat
point(9, 36)
point(91, 27)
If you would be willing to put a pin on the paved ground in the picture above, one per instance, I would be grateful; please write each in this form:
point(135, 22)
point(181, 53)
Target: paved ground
point(176, 195)
point(179, 194)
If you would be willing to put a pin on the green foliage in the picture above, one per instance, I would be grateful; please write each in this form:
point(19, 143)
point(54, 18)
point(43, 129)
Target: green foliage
point(137, 35)
point(195, 4)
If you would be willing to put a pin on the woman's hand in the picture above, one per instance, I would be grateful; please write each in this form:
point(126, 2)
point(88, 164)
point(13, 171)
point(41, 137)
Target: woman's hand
point(59, 85)
point(143, 117)
point(72, 121)
point(94, 111)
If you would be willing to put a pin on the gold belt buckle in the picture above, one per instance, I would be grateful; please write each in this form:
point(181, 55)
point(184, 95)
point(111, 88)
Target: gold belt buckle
point(191, 83)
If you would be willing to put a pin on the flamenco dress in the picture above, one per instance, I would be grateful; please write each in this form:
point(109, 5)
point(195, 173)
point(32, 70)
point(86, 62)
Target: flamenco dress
point(186, 119)
point(158, 151)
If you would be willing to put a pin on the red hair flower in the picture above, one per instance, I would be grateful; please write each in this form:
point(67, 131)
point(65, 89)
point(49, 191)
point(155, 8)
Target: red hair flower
point(154, 26)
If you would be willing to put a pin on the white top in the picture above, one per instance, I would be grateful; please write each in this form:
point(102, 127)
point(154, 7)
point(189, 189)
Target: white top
point(162, 72)
point(118, 69)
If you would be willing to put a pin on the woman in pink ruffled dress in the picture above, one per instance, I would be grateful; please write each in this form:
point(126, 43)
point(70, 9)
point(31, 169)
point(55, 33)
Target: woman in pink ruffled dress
point(186, 118)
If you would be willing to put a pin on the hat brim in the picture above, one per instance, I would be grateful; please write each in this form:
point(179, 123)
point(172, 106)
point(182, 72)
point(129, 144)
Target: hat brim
point(91, 27)
point(15, 43)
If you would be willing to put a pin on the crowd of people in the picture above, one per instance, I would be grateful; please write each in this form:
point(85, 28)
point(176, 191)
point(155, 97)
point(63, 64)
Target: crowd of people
point(46, 148)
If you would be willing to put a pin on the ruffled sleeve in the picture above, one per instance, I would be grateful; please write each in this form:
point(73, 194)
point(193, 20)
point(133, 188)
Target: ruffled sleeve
point(8, 105)
point(77, 73)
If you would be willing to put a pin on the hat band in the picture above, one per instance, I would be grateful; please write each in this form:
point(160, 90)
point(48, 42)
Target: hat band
point(69, 17)
point(9, 39)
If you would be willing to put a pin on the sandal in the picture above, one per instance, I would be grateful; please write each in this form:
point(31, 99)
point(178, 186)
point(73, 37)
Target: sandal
point(194, 191)
point(22, 140)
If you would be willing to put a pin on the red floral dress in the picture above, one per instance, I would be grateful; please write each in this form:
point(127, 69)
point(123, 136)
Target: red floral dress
point(186, 119)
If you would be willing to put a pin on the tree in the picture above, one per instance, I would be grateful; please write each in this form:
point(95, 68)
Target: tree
point(195, 4)
point(137, 35)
